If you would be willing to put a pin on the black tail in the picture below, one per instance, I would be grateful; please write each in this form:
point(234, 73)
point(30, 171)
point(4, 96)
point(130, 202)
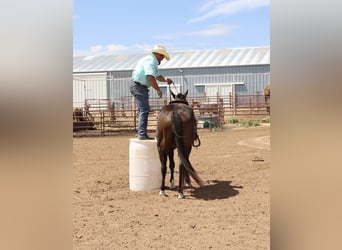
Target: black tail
point(182, 152)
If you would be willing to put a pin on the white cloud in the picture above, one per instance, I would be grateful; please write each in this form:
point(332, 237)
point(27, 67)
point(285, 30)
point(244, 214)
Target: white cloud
point(115, 48)
point(210, 3)
point(217, 8)
point(142, 47)
point(102, 50)
point(96, 49)
point(215, 30)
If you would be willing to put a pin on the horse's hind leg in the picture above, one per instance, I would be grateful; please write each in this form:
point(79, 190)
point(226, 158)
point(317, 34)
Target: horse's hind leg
point(172, 169)
point(163, 159)
point(181, 181)
point(187, 179)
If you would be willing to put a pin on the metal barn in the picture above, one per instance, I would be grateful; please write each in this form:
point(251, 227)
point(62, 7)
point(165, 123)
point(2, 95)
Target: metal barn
point(220, 83)
point(204, 73)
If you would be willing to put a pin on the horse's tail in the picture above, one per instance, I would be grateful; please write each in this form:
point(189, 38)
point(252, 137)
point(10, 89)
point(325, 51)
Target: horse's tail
point(183, 154)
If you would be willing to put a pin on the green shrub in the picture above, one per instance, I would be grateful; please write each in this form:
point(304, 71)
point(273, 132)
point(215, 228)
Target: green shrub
point(209, 124)
point(233, 120)
point(266, 119)
point(249, 123)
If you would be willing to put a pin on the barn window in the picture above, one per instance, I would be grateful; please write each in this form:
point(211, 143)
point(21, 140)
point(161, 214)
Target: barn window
point(218, 89)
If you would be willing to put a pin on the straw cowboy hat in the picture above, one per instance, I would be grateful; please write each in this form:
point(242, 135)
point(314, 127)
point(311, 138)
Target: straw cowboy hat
point(161, 50)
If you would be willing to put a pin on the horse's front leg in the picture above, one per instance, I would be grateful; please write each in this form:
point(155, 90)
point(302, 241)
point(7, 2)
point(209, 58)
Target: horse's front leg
point(163, 159)
point(172, 169)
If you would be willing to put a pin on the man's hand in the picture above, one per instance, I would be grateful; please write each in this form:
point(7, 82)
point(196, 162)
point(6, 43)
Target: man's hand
point(168, 80)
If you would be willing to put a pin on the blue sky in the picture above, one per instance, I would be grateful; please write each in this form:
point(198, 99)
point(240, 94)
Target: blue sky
point(133, 26)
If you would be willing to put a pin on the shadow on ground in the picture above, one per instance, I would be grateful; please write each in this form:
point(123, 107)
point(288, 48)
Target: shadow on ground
point(215, 190)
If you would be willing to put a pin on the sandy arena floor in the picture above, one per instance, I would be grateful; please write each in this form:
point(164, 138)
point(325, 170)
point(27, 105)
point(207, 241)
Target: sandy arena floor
point(231, 212)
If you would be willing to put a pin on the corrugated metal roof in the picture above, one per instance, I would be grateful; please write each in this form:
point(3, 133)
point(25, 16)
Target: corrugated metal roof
point(184, 59)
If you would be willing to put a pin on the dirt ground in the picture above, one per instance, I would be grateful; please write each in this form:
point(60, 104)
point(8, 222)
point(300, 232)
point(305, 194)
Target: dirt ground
point(231, 212)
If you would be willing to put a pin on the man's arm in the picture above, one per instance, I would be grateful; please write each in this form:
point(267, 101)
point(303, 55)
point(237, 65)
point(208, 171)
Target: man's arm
point(154, 84)
point(164, 79)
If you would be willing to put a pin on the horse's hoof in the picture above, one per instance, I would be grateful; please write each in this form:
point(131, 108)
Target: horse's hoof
point(162, 193)
point(172, 185)
point(180, 196)
point(188, 185)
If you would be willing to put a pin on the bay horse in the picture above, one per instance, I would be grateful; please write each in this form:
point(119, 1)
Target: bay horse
point(177, 128)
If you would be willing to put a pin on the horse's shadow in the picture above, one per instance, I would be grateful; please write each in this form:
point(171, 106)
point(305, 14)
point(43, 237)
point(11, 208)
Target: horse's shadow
point(215, 190)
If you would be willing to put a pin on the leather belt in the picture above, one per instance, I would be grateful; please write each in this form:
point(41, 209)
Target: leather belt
point(140, 84)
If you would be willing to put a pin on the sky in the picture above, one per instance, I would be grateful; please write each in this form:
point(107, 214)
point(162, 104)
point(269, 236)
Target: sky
point(134, 26)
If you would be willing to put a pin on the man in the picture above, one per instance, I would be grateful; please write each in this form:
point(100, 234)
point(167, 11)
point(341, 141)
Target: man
point(144, 76)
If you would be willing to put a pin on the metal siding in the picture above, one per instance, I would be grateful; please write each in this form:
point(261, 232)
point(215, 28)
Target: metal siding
point(116, 84)
point(89, 86)
point(78, 93)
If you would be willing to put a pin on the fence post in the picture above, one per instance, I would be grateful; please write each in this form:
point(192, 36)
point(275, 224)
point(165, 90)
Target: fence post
point(102, 122)
point(234, 103)
point(221, 112)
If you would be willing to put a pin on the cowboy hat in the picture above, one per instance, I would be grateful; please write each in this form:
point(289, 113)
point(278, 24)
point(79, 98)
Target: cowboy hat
point(161, 50)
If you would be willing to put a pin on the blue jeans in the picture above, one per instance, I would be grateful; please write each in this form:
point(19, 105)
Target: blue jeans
point(141, 96)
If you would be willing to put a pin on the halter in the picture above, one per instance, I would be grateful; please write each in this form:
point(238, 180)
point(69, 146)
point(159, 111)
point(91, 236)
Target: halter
point(178, 100)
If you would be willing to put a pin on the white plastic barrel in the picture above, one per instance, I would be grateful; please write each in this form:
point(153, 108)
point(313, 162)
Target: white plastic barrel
point(144, 165)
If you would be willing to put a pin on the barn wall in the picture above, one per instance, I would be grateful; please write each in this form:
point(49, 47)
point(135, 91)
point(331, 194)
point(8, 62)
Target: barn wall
point(254, 78)
point(89, 86)
point(115, 85)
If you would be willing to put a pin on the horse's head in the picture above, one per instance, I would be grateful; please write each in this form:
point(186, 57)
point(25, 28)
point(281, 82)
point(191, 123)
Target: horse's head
point(179, 98)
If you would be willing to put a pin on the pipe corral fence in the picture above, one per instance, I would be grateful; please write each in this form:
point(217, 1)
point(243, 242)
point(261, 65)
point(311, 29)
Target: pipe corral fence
point(108, 117)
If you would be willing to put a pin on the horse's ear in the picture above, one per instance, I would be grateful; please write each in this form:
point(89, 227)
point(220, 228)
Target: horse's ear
point(186, 93)
point(173, 95)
